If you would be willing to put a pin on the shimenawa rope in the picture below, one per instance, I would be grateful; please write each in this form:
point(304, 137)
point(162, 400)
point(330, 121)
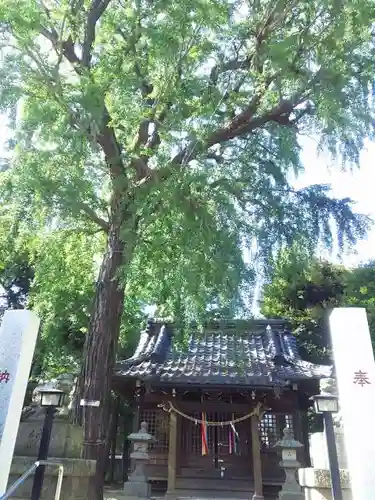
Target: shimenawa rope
point(257, 411)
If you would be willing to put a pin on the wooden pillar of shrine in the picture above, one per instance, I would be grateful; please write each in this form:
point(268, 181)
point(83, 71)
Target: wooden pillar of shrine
point(172, 454)
point(257, 464)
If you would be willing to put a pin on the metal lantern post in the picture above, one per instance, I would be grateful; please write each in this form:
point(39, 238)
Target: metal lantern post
point(327, 405)
point(50, 399)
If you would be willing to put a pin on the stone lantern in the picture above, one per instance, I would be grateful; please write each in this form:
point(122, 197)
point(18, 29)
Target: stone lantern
point(290, 490)
point(137, 485)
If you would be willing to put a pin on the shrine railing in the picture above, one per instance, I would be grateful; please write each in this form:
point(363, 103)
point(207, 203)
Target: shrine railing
point(31, 471)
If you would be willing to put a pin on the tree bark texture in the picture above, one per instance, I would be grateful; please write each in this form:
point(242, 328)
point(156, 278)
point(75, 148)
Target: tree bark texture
point(100, 356)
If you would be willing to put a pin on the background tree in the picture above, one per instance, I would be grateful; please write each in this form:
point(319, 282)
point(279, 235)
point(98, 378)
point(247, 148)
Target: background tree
point(360, 292)
point(16, 272)
point(304, 291)
point(171, 128)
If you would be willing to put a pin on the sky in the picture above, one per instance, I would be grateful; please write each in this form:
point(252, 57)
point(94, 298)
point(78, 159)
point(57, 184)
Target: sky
point(358, 184)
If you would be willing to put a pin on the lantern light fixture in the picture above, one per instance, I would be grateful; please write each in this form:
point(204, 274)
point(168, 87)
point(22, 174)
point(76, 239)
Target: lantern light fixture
point(324, 403)
point(51, 397)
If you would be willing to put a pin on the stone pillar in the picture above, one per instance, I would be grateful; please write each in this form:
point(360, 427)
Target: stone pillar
point(18, 334)
point(290, 490)
point(137, 486)
point(355, 378)
point(316, 480)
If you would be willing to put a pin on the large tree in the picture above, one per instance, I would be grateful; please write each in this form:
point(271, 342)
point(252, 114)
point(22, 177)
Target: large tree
point(171, 127)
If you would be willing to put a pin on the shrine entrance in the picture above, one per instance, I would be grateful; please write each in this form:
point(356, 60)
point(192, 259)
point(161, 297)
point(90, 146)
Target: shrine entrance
point(228, 454)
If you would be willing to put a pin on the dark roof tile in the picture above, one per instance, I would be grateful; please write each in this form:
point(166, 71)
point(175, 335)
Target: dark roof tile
point(256, 355)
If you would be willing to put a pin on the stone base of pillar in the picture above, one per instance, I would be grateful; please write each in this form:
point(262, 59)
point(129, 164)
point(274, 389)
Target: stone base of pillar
point(316, 484)
point(139, 489)
point(258, 497)
point(170, 495)
point(291, 495)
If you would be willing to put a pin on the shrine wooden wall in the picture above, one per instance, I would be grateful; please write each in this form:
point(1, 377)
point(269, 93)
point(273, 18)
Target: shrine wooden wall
point(238, 465)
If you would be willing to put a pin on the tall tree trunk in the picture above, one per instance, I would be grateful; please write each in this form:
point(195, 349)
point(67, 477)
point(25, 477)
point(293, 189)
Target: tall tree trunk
point(100, 355)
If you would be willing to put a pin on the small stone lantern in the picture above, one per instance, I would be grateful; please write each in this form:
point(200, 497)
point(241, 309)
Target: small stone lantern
point(137, 485)
point(290, 490)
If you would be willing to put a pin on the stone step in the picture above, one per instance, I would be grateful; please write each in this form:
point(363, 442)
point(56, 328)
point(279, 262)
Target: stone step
point(114, 494)
point(120, 496)
point(117, 494)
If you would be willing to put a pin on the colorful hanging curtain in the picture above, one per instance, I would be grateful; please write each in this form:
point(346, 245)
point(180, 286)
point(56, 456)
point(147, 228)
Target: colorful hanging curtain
point(204, 434)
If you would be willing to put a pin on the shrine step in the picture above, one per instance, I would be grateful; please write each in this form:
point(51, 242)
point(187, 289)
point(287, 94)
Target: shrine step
point(220, 498)
point(118, 494)
point(114, 493)
point(221, 490)
point(215, 484)
point(214, 495)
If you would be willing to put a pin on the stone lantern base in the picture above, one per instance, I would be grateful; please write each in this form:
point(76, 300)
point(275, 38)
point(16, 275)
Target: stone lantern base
point(316, 484)
point(138, 486)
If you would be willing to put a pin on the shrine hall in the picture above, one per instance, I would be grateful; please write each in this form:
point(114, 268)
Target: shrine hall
point(217, 400)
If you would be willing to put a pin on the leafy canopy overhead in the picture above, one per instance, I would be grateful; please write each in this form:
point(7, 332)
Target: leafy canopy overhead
point(186, 115)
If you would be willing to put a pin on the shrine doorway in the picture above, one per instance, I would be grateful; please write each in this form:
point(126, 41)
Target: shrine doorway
point(228, 454)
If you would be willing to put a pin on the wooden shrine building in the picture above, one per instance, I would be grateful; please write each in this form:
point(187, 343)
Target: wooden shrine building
point(218, 404)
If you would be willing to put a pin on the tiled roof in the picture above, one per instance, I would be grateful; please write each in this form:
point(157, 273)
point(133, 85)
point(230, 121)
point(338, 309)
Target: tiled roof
point(256, 353)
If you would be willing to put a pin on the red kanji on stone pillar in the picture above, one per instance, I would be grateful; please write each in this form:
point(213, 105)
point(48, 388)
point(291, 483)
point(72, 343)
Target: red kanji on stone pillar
point(4, 376)
point(361, 378)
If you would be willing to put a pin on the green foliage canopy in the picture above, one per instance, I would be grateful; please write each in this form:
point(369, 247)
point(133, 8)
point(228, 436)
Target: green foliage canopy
point(180, 119)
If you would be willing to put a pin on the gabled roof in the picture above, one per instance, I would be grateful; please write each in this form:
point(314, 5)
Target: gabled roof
point(253, 353)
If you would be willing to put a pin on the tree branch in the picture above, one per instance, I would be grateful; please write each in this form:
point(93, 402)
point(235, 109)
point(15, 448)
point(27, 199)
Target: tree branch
point(93, 216)
point(111, 148)
point(106, 136)
point(246, 122)
point(65, 47)
point(96, 10)
point(232, 65)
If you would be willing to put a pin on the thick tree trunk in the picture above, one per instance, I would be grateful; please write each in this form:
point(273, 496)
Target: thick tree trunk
point(100, 356)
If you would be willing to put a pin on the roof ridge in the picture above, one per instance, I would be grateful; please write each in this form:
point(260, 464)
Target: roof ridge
point(219, 323)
